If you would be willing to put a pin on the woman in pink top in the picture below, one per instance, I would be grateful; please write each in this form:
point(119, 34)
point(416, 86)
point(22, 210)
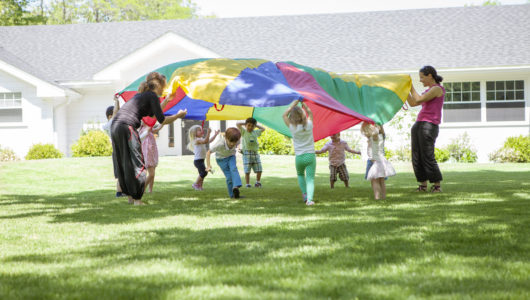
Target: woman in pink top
point(425, 131)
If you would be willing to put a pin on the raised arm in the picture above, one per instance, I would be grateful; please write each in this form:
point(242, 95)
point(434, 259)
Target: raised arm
point(205, 139)
point(308, 111)
point(260, 127)
point(415, 99)
point(240, 125)
point(116, 105)
point(287, 111)
point(214, 136)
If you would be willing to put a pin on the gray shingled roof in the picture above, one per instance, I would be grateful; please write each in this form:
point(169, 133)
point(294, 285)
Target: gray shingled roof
point(348, 42)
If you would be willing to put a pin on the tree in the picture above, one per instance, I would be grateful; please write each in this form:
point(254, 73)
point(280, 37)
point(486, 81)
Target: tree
point(28, 12)
point(87, 11)
point(491, 2)
point(15, 12)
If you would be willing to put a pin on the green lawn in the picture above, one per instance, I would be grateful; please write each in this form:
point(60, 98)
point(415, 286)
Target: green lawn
point(63, 234)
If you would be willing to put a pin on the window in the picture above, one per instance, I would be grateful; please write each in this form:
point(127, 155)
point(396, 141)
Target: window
point(171, 136)
point(505, 100)
point(10, 107)
point(462, 102)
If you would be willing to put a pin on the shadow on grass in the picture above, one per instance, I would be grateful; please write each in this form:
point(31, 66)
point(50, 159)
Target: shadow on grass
point(346, 254)
point(347, 246)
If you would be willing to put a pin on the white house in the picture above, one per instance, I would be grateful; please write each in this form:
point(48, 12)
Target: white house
point(57, 80)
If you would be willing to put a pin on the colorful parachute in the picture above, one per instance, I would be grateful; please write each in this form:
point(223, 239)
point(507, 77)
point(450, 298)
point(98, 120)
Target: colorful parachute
point(236, 89)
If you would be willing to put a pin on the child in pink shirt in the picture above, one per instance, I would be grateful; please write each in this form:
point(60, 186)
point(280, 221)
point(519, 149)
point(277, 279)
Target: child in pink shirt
point(337, 157)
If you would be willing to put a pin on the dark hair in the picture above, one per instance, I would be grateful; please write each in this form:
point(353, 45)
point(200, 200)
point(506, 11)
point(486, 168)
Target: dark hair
point(232, 134)
point(152, 82)
point(110, 111)
point(426, 70)
point(251, 121)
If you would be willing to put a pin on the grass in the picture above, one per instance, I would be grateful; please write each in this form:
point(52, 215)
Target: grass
point(64, 235)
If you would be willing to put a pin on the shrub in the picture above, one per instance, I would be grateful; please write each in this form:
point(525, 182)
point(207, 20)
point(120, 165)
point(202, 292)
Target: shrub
point(320, 144)
point(43, 151)
point(515, 149)
point(272, 142)
point(93, 143)
point(389, 154)
point(441, 155)
point(461, 149)
point(7, 154)
point(402, 153)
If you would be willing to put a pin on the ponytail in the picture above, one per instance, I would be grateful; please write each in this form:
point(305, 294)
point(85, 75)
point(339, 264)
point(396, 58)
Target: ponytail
point(426, 70)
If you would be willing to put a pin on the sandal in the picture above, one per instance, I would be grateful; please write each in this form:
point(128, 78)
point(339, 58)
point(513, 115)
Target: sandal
point(436, 189)
point(421, 188)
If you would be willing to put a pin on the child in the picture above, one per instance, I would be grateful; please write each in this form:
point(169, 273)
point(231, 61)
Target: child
point(336, 148)
point(150, 152)
point(197, 144)
point(301, 127)
point(110, 113)
point(251, 159)
point(378, 166)
point(225, 155)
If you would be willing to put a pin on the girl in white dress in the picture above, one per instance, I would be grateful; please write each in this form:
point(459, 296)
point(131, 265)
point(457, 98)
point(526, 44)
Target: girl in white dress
point(380, 167)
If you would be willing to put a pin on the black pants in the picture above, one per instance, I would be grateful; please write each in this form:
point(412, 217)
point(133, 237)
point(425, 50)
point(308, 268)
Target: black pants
point(199, 164)
point(128, 160)
point(423, 137)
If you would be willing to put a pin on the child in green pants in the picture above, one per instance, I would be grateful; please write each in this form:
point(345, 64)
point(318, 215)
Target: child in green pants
point(301, 127)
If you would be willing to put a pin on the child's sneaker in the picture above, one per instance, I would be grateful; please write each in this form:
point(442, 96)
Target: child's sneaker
point(119, 194)
point(258, 185)
point(248, 186)
point(195, 187)
point(236, 192)
point(309, 203)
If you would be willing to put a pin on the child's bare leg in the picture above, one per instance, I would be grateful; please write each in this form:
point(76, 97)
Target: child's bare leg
point(131, 200)
point(346, 183)
point(150, 178)
point(331, 183)
point(258, 177)
point(382, 184)
point(118, 186)
point(247, 178)
point(200, 181)
point(376, 188)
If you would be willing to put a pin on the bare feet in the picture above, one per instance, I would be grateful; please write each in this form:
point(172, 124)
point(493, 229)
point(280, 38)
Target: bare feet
point(139, 202)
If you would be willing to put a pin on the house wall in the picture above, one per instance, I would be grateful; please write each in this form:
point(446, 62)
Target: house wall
point(486, 136)
point(87, 112)
point(37, 118)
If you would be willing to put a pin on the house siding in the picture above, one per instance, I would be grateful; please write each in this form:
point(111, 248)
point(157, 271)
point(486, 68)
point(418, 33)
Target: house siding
point(37, 118)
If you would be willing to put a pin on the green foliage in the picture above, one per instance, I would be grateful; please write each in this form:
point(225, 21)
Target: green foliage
point(320, 144)
point(272, 142)
point(461, 149)
point(43, 151)
point(441, 155)
point(7, 154)
point(93, 143)
point(399, 154)
point(491, 3)
point(515, 149)
point(17, 12)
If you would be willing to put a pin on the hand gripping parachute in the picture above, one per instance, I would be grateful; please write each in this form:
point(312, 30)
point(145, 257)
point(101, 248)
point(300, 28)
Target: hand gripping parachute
point(236, 89)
